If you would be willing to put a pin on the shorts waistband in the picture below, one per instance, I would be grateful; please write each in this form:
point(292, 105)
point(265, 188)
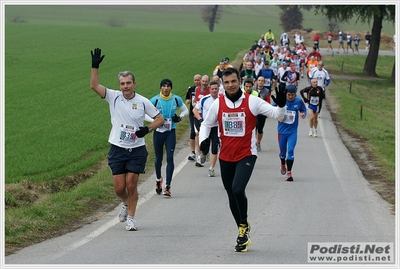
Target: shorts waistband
point(128, 149)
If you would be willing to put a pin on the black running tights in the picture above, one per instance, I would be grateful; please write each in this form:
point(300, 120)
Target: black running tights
point(235, 176)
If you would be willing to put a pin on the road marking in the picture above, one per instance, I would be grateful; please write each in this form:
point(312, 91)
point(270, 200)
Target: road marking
point(114, 221)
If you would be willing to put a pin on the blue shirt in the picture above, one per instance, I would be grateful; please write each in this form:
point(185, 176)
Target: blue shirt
point(167, 108)
point(291, 122)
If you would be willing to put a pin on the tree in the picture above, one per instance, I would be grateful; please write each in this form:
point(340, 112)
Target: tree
point(363, 13)
point(332, 25)
point(291, 17)
point(211, 15)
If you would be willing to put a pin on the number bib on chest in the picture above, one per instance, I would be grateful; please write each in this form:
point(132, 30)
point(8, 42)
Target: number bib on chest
point(234, 123)
point(166, 126)
point(314, 100)
point(290, 116)
point(127, 133)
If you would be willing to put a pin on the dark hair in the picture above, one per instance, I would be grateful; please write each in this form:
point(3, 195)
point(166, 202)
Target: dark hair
point(229, 71)
point(249, 81)
point(213, 83)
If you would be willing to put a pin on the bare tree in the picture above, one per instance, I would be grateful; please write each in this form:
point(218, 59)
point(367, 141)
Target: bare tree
point(211, 15)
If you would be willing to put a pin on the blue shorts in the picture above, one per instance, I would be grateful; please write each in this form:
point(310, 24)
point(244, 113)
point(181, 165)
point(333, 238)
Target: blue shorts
point(340, 42)
point(122, 160)
point(314, 108)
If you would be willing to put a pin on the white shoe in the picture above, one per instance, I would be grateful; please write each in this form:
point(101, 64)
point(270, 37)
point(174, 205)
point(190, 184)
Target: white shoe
point(310, 133)
point(123, 213)
point(131, 225)
point(315, 133)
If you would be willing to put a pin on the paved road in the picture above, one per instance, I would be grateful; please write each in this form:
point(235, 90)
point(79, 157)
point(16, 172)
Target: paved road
point(328, 201)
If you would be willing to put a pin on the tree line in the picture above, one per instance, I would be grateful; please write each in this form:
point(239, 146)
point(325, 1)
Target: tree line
point(291, 17)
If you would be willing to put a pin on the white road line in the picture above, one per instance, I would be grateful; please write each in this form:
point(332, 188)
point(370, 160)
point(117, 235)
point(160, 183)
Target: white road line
point(114, 221)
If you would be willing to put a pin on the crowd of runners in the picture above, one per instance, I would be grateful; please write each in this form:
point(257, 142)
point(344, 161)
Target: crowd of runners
point(268, 71)
point(227, 112)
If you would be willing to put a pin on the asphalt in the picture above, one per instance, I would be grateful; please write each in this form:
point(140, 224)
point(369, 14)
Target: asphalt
point(328, 201)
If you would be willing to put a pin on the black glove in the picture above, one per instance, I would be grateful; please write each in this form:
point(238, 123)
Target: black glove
point(96, 58)
point(280, 98)
point(306, 100)
point(142, 131)
point(176, 118)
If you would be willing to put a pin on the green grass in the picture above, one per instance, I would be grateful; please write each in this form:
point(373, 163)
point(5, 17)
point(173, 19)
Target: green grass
point(355, 65)
point(56, 127)
point(376, 124)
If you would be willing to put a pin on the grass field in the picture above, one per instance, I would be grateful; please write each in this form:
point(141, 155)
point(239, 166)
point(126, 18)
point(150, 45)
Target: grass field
point(56, 127)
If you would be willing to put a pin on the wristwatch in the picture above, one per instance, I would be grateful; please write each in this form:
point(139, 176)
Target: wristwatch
point(150, 129)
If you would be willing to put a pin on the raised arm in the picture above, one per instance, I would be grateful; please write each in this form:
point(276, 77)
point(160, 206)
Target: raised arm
point(94, 77)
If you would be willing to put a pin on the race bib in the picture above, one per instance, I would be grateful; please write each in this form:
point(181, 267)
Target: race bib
point(290, 116)
point(167, 126)
point(234, 123)
point(127, 133)
point(314, 100)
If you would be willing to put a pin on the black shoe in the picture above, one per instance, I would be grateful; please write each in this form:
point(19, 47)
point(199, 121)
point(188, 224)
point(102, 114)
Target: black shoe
point(159, 186)
point(244, 235)
point(239, 248)
point(289, 176)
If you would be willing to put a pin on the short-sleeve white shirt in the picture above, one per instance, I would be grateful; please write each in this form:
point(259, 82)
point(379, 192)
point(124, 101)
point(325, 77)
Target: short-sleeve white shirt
point(126, 117)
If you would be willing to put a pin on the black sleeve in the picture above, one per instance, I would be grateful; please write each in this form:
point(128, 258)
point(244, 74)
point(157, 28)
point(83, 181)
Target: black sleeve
point(283, 78)
point(189, 93)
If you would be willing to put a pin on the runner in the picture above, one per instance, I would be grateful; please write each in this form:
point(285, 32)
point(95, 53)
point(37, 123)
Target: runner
point(287, 130)
point(236, 114)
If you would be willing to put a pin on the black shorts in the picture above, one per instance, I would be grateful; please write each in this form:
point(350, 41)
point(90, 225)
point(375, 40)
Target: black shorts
point(124, 160)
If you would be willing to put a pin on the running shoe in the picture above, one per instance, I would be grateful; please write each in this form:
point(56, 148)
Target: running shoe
point(310, 133)
point(239, 248)
point(289, 176)
point(244, 235)
point(198, 164)
point(315, 133)
point(258, 146)
point(159, 186)
point(203, 158)
point(123, 212)
point(192, 157)
point(211, 172)
point(283, 169)
point(167, 191)
point(131, 225)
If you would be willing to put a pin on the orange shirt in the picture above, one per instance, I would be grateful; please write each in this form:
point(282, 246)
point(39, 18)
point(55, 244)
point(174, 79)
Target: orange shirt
point(311, 65)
